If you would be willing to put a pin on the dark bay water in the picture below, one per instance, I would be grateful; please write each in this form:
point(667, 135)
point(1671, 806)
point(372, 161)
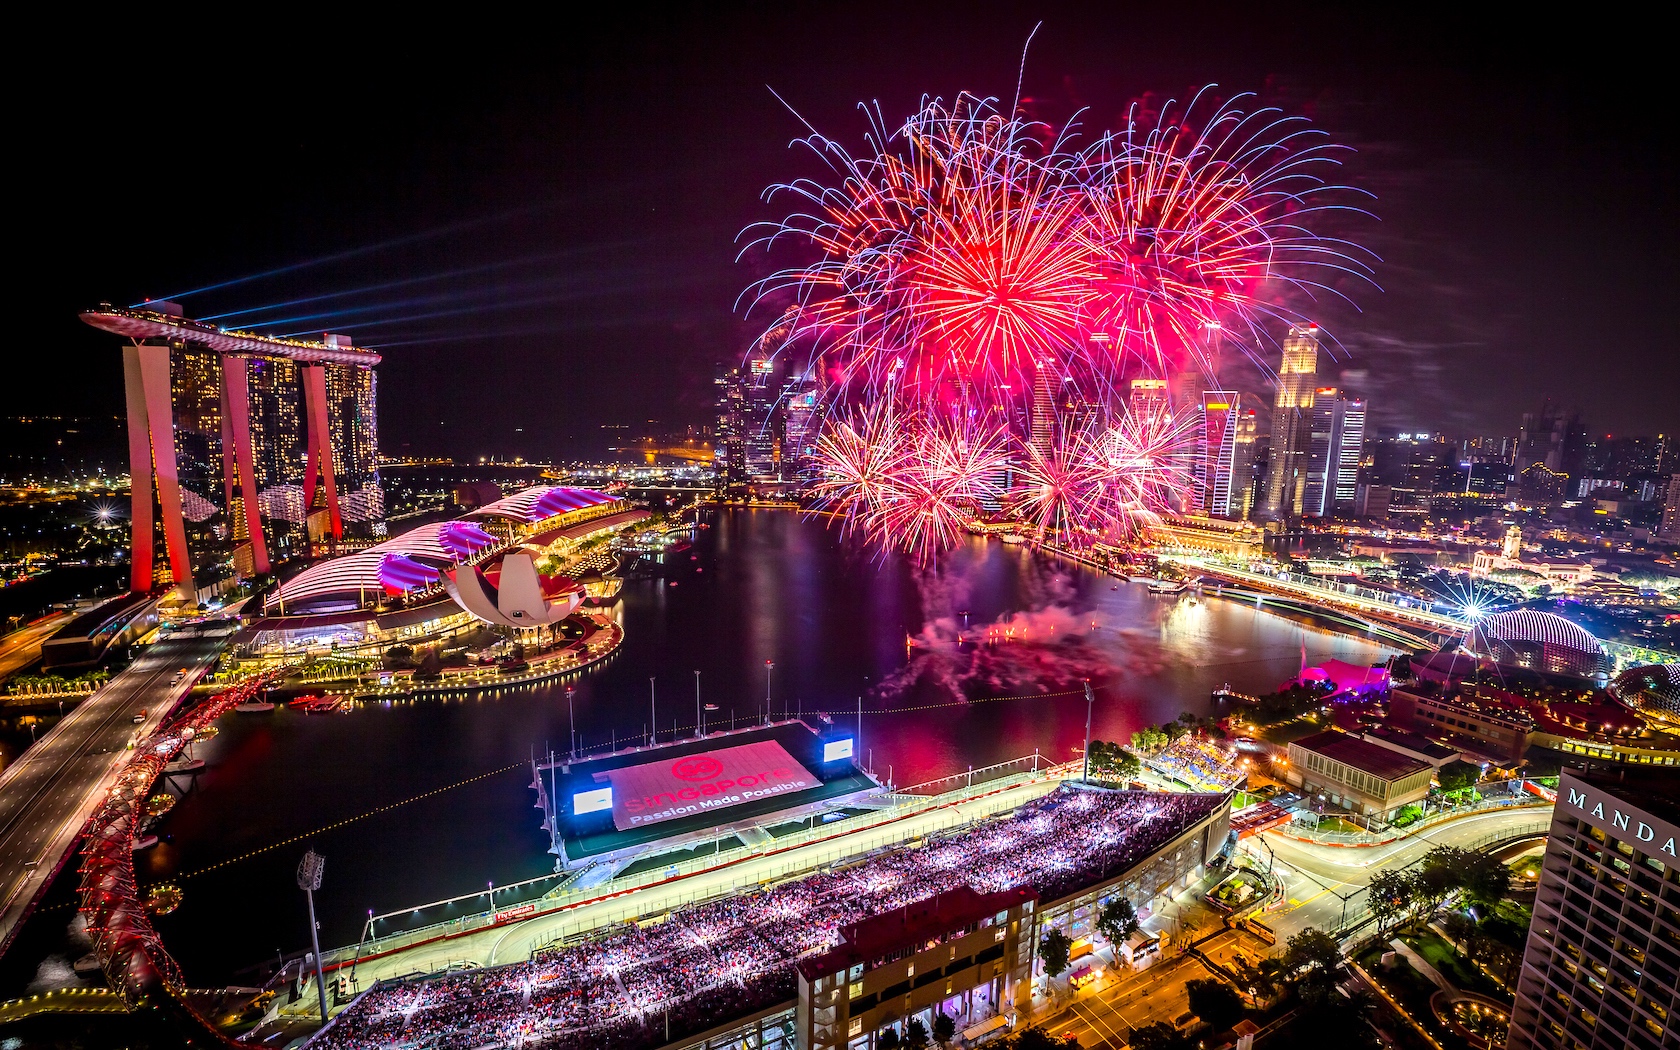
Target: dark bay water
point(758, 586)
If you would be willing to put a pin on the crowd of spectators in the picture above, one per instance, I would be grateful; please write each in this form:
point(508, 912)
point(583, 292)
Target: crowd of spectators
point(641, 985)
point(1200, 763)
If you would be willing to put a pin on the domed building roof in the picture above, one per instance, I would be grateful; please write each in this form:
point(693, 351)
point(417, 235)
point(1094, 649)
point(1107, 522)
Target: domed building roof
point(1540, 641)
point(1653, 689)
point(1533, 625)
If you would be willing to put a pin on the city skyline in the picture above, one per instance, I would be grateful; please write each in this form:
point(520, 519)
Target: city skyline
point(601, 262)
point(830, 529)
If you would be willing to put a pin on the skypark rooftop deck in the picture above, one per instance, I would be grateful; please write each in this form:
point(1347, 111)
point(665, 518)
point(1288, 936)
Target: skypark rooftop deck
point(143, 323)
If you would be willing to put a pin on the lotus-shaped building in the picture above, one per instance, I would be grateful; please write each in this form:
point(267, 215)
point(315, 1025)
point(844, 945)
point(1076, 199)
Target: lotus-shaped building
point(512, 593)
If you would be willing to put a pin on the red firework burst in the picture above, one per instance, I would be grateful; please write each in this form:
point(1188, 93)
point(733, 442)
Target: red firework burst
point(962, 254)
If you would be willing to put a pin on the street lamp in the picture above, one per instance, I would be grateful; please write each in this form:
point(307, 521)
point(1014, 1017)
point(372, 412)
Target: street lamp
point(1089, 701)
point(571, 720)
point(309, 880)
point(699, 712)
point(653, 712)
point(769, 665)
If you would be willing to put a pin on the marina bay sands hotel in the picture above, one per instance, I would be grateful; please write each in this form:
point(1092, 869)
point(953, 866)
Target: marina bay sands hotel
point(244, 450)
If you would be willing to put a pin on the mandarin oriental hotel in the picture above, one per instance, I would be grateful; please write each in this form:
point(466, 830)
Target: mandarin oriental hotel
point(1603, 959)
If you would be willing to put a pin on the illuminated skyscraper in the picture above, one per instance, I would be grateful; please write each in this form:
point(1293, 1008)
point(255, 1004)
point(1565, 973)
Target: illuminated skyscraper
point(799, 431)
point(1669, 529)
point(1338, 442)
point(1244, 447)
point(1286, 471)
point(732, 427)
point(1602, 961)
point(351, 394)
point(1149, 396)
point(1043, 415)
point(762, 440)
point(1217, 452)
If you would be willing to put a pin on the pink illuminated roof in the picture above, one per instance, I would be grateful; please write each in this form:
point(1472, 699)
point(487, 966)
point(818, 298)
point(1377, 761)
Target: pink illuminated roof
point(535, 504)
point(406, 562)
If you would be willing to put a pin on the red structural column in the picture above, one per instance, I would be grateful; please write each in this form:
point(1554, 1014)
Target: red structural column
point(139, 473)
point(236, 424)
point(146, 375)
point(320, 446)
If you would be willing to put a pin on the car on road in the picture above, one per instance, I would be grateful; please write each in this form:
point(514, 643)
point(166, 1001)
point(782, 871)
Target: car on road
point(139, 717)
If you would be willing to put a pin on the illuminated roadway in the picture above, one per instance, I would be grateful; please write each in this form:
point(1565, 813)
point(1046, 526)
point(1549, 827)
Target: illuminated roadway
point(23, 646)
point(1318, 877)
point(1107, 1015)
point(47, 795)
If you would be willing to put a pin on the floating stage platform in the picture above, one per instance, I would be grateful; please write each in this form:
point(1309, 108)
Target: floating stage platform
point(632, 805)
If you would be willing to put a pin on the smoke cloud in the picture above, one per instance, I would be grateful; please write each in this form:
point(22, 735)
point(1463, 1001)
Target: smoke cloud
point(1054, 644)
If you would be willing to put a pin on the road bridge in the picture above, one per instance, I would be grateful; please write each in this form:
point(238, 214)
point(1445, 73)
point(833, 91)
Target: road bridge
point(1421, 624)
point(47, 795)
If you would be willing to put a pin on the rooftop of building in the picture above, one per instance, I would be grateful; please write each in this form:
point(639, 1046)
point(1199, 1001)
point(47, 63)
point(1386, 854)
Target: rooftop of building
point(1413, 742)
point(1656, 791)
point(912, 926)
point(1381, 762)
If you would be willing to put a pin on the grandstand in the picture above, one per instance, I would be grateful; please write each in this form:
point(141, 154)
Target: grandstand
point(670, 977)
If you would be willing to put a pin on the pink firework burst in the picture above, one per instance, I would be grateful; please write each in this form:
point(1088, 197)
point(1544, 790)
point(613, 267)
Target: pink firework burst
point(1190, 220)
point(963, 252)
point(910, 477)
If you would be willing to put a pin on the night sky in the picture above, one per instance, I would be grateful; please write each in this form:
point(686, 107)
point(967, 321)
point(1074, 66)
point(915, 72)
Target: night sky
point(551, 206)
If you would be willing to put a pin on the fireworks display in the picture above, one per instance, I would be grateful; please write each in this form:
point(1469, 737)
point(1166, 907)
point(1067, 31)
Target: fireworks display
point(971, 271)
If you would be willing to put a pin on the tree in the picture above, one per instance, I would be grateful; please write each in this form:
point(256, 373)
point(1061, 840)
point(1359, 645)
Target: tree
point(1441, 871)
point(1457, 775)
point(915, 1034)
point(1459, 928)
point(1215, 1002)
point(1390, 895)
point(1335, 1020)
point(1485, 880)
point(1125, 764)
point(1158, 1036)
point(1055, 948)
point(944, 1027)
point(1117, 920)
point(1148, 739)
point(1316, 957)
point(888, 1040)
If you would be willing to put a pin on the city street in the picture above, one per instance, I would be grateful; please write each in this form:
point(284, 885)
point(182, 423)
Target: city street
point(1317, 878)
point(49, 792)
point(1107, 1017)
point(23, 646)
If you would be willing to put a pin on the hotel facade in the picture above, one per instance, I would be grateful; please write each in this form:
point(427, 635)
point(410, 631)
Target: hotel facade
point(1602, 964)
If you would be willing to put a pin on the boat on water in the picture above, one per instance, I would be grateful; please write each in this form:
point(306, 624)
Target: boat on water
point(1013, 537)
point(1167, 586)
point(1141, 579)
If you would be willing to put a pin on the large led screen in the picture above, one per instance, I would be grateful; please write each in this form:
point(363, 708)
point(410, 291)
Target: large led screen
point(710, 780)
